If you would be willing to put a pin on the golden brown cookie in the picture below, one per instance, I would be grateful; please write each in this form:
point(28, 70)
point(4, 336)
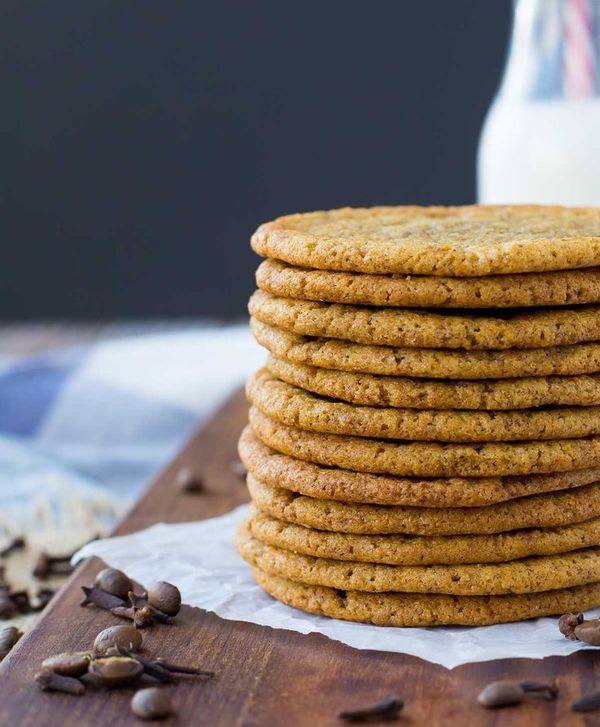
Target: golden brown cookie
point(564, 287)
point(427, 459)
point(423, 550)
point(528, 575)
point(407, 609)
point(442, 241)
point(295, 407)
point(580, 358)
point(420, 328)
point(415, 393)
point(548, 510)
point(327, 483)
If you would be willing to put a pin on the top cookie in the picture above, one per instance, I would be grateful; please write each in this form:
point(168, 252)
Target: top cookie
point(454, 241)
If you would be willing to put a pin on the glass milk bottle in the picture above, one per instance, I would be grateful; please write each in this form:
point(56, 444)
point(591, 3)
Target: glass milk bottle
point(540, 142)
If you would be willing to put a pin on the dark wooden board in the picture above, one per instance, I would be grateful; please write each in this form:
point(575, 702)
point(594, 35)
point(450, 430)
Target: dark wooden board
point(264, 677)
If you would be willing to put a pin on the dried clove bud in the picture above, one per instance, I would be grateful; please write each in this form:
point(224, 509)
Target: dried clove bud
point(114, 581)
point(7, 607)
point(151, 703)
point(140, 600)
point(179, 669)
point(47, 565)
point(97, 597)
point(588, 631)
point(188, 482)
point(501, 694)
point(115, 671)
point(9, 636)
point(567, 623)
point(388, 709)
point(49, 681)
point(548, 691)
point(165, 597)
point(141, 617)
point(68, 664)
point(117, 636)
point(587, 703)
point(150, 667)
point(17, 543)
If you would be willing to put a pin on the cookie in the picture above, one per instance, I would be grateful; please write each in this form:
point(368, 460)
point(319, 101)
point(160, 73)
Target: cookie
point(326, 483)
point(441, 241)
point(580, 358)
point(528, 575)
point(407, 609)
point(420, 328)
point(414, 393)
point(423, 550)
point(564, 287)
point(295, 407)
point(427, 459)
point(549, 510)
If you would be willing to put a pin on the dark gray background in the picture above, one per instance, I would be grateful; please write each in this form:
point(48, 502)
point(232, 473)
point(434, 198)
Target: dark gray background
point(142, 142)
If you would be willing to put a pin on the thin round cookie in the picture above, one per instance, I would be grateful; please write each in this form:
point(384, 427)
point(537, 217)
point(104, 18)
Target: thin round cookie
point(295, 407)
point(549, 510)
point(420, 328)
point(528, 575)
point(407, 609)
point(427, 459)
point(564, 287)
point(443, 241)
point(423, 550)
point(327, 483)
point(415, 393)
point(580, 358)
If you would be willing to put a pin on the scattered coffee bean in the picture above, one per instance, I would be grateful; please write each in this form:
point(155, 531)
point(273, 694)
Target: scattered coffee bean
point(114, 581)
point(17, 543)
point(49, 681)
point(388, 709)
point(501, 694)
point(151, 703)
point(587, 703)
point(165, 597)
point(9, 636)
point(7, 607)
point(188, 482)
point(567, 623)
point(127, 637)
point(21, 601)
point(588, 631)
point(115, 671)
point(68, 664)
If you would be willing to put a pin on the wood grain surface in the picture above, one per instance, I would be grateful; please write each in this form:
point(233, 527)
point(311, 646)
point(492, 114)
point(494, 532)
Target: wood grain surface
point(263, 677)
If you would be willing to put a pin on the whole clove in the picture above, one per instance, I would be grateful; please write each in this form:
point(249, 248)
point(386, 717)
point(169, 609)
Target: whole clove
point(17, 543)
point(587, 703)
point(49, 565)
point(69, 664)
point(50, 681)
point(114, 581)
point(188, 482)
point(151, 703)
point(165, 597)
point(388, 709)
point(9, 636)
point(127, 637)
point(141, 617)
point(158, 671)
point(140, 600)
point(567, 623)
point(95, 596)
point(180, 669)
point(506, 692)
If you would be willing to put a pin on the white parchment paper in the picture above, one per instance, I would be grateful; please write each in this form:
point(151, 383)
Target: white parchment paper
point(199, 558)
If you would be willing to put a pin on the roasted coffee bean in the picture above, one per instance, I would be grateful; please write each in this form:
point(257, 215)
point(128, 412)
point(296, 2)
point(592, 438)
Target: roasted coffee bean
point(68, 664)
point(151, 703)
point(166, 597)
point(111, 580)
point(117, 636)
point(115, 671)
point(588, 631)
point(501, 694)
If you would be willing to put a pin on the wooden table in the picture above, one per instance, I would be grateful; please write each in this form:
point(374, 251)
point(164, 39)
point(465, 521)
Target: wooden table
point(264, 677)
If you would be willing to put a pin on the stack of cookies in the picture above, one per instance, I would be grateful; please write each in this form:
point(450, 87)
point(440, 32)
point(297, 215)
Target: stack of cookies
point(424, 441)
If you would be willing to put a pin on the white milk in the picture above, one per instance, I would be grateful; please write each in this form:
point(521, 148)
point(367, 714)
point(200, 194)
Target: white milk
point(540, 151)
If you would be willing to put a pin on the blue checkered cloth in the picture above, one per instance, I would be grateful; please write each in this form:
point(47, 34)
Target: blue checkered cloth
point(108, 416)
